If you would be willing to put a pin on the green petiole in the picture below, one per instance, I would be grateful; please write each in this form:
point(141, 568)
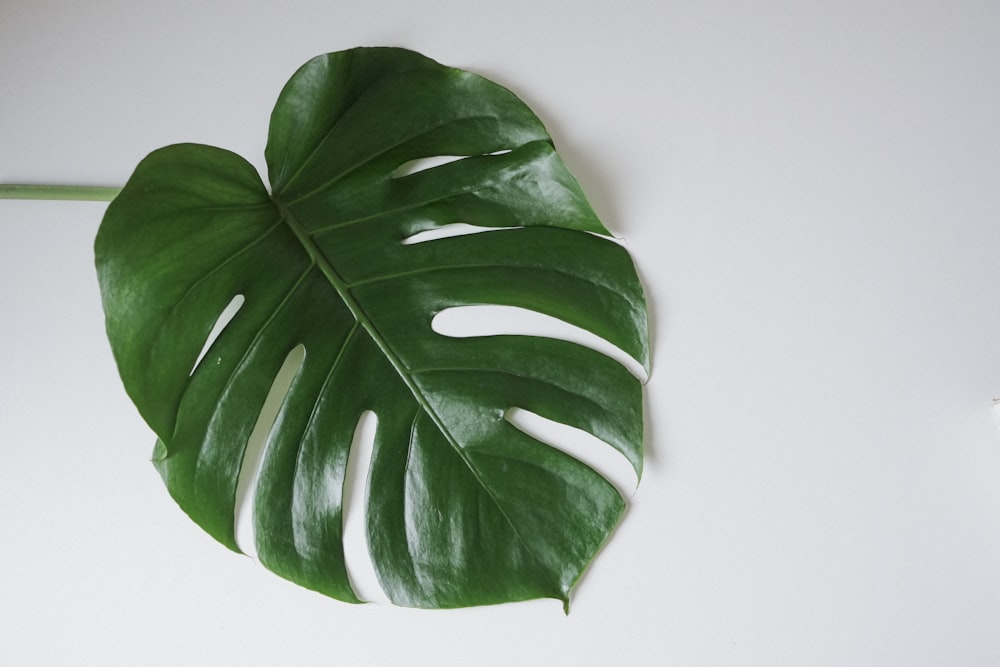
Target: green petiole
point(59, 192)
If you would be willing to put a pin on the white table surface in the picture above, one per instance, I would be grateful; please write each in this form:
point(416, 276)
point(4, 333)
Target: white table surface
point(810, 191)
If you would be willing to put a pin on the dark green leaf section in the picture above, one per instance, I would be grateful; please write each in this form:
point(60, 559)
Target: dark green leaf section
point(463, 508)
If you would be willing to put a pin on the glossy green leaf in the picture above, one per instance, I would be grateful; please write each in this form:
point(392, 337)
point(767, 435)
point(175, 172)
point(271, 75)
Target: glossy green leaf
point(463, 508)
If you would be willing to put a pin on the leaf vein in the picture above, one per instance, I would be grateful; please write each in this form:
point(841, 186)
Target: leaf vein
point(384, 213)
point(405, 375)
point(357, 165)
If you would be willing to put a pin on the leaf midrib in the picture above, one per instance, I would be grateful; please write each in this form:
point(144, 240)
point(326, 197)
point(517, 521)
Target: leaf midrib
point(343, 289)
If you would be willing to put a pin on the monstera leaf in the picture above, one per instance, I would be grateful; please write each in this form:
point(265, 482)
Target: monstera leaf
point(463, 508)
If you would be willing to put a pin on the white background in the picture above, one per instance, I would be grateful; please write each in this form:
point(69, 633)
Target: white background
point(810, 191)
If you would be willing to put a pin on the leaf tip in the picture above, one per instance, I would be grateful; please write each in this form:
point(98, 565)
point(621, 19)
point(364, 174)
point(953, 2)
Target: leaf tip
point(159, 452)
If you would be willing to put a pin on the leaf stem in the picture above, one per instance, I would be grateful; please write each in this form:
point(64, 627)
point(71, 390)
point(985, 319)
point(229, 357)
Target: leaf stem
point(59, 192)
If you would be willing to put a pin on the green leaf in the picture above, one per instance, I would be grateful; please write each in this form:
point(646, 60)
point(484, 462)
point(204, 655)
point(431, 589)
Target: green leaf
point(463, 508)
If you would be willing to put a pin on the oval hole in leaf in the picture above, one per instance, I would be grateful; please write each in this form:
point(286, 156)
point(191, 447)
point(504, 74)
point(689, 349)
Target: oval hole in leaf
point(256, 443)
point(357, 557)
point(448, 231)
point(225, 317)
point(424, 163)
point(579, 444)
point(488, 320)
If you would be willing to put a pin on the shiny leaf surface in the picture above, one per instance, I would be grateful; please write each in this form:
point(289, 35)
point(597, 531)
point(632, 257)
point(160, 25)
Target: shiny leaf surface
point(463, 508)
